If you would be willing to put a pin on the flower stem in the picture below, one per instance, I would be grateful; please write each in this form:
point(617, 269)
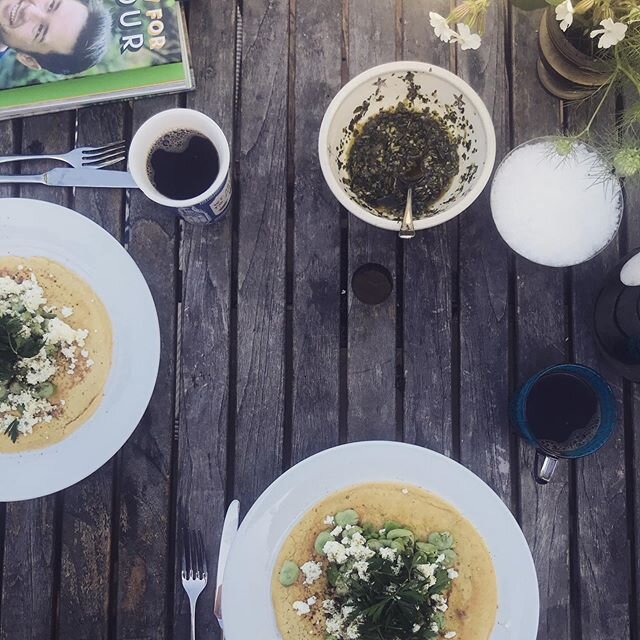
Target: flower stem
point(586, 130)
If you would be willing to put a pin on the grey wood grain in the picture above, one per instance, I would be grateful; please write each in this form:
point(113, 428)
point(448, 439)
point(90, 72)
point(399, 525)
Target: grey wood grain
point(143, 538)
point(430, 275)
point(632, 396)
point(316, 300)
point(205, 323)
point(31, 535)
point(484, 313)
point(371, 370)
point(600, 479)
point(9, 143)
point(87, 511)
point(261, 253)
point(540, 342)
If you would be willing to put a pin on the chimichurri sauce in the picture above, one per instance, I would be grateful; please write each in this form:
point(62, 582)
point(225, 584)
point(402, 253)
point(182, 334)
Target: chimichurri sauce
point(399, 144)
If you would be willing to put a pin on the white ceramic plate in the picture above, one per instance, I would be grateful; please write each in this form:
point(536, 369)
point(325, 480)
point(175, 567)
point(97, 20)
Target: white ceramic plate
point(246, 604)
point(35, 228)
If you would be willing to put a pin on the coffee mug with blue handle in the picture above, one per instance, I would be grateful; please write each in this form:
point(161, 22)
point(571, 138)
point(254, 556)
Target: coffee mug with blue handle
point(547, 457)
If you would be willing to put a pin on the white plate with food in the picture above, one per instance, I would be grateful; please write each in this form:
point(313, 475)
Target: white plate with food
point(79, 347)
point(380, 541)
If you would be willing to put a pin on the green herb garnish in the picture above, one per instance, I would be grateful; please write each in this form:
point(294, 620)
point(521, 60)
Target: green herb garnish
point(397, 146)
point(385, 585)
point(12, 430)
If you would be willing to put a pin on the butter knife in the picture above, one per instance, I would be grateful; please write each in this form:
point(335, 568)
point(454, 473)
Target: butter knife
point(75, 178)
point(229, 530)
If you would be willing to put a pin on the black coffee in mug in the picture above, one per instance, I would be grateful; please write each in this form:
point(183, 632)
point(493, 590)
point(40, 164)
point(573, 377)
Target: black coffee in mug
point(562, 411)
point(183, 164)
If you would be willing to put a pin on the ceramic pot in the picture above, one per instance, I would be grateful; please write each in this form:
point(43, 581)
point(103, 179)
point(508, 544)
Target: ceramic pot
point(564, 70)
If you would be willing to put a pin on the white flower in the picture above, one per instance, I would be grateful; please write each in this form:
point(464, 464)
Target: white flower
point(466, 39)
point(610, 34)
point(441, 27)
point(564, 14)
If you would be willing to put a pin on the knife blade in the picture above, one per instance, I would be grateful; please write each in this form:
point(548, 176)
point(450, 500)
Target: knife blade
point(229, 530)
point(76, 178)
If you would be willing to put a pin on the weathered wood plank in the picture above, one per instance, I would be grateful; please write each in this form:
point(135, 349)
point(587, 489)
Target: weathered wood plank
point(632, 399)
point(430, 268)
point(145, 542)
point(371, 368)
point(206, 284)
point(600, 479)
point(484, 259)
point(541, 341)
point(9, 143)
point(31, 538)
point(261, 254)
point(87, 512)
point(316, 303)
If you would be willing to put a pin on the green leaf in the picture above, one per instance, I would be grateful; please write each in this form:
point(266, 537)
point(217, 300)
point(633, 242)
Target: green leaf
point(12, 430)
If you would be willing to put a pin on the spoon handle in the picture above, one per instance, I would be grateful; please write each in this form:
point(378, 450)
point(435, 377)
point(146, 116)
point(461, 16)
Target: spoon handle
point(406, 228)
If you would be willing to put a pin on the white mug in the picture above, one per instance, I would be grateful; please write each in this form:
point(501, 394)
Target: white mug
point(207, 207)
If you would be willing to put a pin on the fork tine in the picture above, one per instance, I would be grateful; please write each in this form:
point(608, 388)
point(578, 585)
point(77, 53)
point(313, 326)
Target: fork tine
point(95, 157)
point(92, 151)
point(105, 162)
point(184, 553)
point(196, 553)
point(203, 554)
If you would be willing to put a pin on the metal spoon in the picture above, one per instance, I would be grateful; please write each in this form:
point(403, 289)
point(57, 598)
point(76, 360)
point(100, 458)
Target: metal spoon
point(409, 180)
point(407, 230)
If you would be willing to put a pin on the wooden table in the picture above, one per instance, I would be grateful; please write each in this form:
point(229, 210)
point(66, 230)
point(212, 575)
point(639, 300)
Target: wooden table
point(268, 358)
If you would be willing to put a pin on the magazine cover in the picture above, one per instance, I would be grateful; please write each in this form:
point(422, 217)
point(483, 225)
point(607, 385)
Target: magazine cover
point(81, 51)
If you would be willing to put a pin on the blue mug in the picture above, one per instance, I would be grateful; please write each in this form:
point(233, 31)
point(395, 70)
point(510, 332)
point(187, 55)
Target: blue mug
point(591, 437)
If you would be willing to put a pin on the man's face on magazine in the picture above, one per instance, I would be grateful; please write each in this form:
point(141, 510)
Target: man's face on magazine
point(42, 26)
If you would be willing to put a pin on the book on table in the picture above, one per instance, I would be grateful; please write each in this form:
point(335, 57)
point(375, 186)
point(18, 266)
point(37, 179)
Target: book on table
point(63, 54)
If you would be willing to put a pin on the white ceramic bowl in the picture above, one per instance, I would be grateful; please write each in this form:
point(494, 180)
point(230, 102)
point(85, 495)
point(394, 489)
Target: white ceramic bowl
point(439, 90)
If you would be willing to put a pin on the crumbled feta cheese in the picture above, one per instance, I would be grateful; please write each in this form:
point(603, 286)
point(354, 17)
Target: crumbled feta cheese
point(453, 574)
point(312, 600)
point(387, 553)
point(427, 570)
point(434, 627)
point(336, 532)
point(362, 569)
point(335, 552)
point(301, 608)
point(311, 571)
point(450, 634)
point(66, 312)
point(329, 520)
point(329, 606)
point(89, 362)
point(405, 491)
point(416, 628)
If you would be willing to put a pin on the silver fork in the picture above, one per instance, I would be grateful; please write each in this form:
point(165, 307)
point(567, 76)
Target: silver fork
point(194, 571)
point(88, 157)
